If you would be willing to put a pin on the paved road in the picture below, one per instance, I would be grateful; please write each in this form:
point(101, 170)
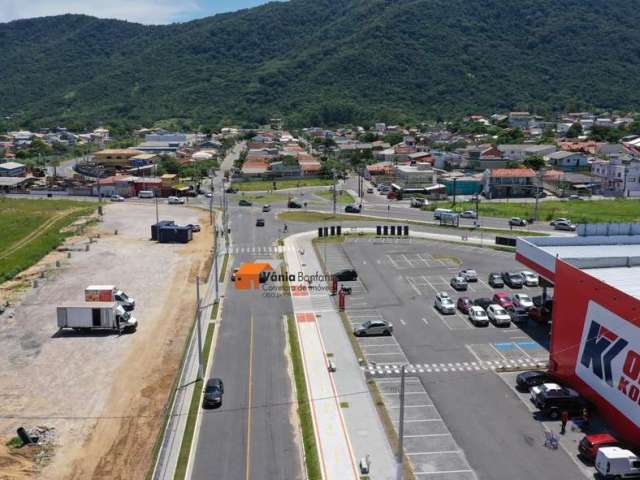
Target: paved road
point(252, 434)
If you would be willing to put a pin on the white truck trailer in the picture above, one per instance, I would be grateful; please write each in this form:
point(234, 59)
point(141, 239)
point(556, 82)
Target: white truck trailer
point(88, 316)
point(109, 293)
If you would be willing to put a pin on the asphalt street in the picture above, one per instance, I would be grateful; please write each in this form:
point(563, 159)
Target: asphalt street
point(252, 434)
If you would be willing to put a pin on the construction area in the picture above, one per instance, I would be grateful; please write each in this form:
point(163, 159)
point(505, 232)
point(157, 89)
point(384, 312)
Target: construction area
point(96, 399)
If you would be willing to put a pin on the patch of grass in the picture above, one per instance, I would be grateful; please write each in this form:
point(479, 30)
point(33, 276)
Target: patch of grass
point(47, 221)
point(586, 211)
point(304, 408)
point(342, 197)
point(194, 407)
point(344, 404)
point(312, 217)
point(14, 442)
point(224, 267)
point(265, 185)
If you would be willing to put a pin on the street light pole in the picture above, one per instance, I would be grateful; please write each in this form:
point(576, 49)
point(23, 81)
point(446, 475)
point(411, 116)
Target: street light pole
point(401, 427)
point(199, 328)
point(335, 193)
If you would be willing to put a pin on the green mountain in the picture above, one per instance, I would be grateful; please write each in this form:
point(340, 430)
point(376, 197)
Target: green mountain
point(325, 62)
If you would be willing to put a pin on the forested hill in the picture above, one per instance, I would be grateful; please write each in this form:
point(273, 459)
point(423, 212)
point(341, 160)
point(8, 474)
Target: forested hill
point(326, 62)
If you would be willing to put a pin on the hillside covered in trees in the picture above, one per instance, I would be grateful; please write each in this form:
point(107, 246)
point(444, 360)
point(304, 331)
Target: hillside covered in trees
point(325, 62)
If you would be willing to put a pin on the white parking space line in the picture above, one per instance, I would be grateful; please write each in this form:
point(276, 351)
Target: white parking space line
point(498, 351)
point(393, 262)
point(413, 286)
point(403, 322)
point(425, 321)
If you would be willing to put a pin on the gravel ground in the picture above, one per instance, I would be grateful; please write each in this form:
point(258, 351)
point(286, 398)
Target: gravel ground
point(103, 393)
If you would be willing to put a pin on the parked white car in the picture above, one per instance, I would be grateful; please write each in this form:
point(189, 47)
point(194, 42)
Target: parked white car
point(522, 300)
point(469, 274)
point(175, 200)
point(117, 198)
point(498, 315)
point(530, 278)
point(478, 316)
point(444, 304)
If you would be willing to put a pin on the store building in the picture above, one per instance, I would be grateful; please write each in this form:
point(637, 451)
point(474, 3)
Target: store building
point(595, 333)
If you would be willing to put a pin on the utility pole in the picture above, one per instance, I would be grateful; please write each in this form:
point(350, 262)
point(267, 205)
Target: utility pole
point(454, 191)
point(538, 192)
point(335, 192)
point(215, 259)
point(211, 200)
point(199, 328)
point(401, 426)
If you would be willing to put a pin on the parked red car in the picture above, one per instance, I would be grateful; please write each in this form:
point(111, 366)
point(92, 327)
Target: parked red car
point(463, 304)
point(590, 444)
point(503, 299)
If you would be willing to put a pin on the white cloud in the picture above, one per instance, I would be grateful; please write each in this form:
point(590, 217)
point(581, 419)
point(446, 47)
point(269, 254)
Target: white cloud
point(141, 11)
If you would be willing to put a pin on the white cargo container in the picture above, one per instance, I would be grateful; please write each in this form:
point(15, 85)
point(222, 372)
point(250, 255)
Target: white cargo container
point(87, 316)
point(108, 293)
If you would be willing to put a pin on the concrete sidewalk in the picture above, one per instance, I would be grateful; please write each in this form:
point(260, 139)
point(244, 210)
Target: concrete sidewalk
point(346, 422)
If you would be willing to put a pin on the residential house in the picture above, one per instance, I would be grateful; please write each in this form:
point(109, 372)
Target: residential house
point(520, 152)
point(414, 176)
point(12, 169)
point(509, 183)
point(282, 169)
point(567, 161)
point(115, 157)
point(563, 183)
point(617, 177)
point(519, 120)
point(123, 185)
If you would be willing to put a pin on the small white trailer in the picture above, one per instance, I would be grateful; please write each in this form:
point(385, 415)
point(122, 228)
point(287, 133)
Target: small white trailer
point(87, 316)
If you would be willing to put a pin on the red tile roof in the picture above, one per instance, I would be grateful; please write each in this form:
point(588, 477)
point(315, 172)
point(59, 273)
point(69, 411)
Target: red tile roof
point(512, 172)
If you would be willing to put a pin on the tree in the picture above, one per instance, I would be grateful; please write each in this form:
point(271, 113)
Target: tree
point(574, 131)
point(535, 162)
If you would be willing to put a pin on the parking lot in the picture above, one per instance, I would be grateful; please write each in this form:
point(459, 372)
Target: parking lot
point(454, 361)
point(428, 443)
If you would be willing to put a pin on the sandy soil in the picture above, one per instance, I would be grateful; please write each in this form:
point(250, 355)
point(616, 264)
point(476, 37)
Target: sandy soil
point(104, 394)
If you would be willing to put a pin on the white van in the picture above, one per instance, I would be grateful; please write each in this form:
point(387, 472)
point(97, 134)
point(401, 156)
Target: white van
point(615, 462)
point(146, 194)
point(437, 213)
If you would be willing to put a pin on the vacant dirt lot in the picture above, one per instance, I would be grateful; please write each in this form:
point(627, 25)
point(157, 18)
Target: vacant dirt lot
point(104, 393)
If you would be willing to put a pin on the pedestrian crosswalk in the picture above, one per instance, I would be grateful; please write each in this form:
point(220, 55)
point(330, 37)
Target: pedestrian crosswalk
point(395, 369)
point(259, 249)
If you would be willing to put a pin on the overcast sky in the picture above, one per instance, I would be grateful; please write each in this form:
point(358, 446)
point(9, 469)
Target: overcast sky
point(141, 11)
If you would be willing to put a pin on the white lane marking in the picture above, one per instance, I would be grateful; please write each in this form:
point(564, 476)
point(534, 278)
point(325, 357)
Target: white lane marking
point(403, 322)
point(425, 321)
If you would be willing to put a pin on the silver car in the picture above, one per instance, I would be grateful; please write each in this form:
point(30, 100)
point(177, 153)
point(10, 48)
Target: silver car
point(373, 327)
point(469, 274)
point(444, 304)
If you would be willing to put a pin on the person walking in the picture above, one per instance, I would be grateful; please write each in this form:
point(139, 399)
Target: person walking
point(564, 418)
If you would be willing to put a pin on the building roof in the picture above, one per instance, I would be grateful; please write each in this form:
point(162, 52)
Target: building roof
point(13, 181)
point(614, 259)
point(525, 147)
point(11, 165)
point(559, 155)
point(512, 172)
point(145, 156)
point(119, 151)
